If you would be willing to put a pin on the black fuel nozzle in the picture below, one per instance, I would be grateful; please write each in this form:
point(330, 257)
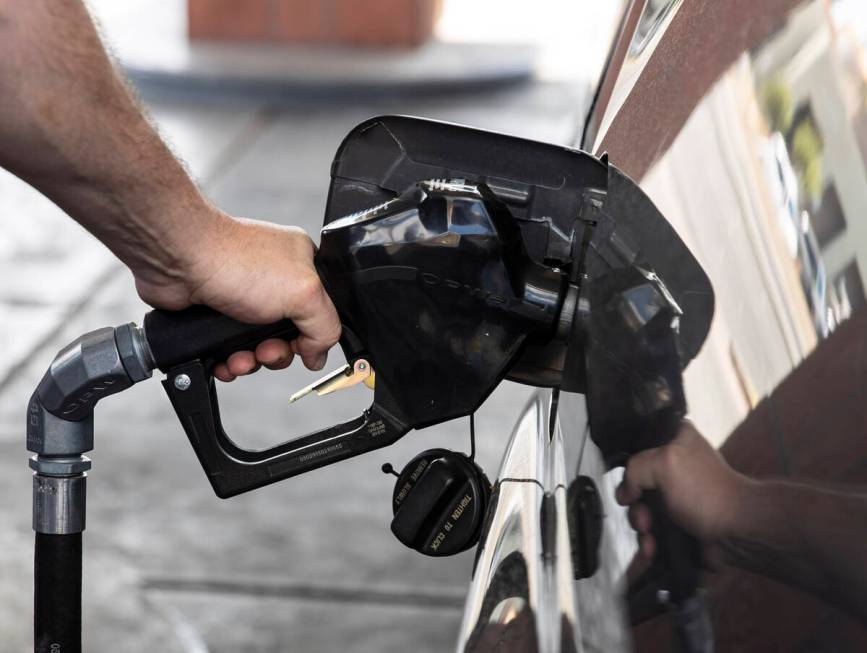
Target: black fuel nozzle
point(636, 401)
point(635, 396)
point(436, 293)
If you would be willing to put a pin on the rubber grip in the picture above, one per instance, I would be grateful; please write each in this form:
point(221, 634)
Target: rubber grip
point(201, 333)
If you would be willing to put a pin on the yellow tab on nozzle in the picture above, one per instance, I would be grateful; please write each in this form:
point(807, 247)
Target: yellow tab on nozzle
point(344, 377)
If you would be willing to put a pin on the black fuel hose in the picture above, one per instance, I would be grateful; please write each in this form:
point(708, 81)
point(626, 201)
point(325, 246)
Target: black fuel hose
point(57, 593)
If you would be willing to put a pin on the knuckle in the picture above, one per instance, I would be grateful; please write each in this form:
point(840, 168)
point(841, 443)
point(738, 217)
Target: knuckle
point(308, 289)
point(300, 240)
point(669, 460)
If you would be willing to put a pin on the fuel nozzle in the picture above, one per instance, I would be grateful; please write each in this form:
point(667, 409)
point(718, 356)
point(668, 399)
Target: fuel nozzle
point(635, 397)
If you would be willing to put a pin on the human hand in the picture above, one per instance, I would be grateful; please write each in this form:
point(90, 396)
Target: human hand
point(255, 272)
point(701, 492)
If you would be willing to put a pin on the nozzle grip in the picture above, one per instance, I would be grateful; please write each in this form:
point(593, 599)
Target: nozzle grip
point(678, 553)
point(199, 332)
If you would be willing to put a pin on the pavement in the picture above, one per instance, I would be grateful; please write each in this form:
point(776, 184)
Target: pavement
point(305, 565)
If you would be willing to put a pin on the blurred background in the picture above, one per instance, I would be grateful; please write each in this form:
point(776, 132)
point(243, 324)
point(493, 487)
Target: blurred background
point(255, 96)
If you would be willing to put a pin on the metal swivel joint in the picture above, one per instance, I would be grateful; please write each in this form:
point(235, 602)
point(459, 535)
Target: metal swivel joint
point(60, 419)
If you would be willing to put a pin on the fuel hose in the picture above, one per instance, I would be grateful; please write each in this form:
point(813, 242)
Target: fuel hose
point(57, 593)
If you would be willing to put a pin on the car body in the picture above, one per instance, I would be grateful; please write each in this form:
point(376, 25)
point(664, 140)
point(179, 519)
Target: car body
point(679, 109)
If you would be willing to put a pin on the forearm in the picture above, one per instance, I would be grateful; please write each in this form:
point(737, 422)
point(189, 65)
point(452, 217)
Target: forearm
point(70, 128)
point(805, 536)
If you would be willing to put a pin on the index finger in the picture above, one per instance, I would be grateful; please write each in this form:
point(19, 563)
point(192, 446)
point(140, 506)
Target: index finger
point(318, 324)
point(640, 475)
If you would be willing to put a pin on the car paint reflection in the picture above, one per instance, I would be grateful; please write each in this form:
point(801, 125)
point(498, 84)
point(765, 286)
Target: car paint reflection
point(696, 94)
point(747, 126)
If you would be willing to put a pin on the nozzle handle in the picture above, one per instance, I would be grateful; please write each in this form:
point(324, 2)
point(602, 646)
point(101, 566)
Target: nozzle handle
point(678, 552)
point(232, 469)
point(186, 345)
point(199, 332)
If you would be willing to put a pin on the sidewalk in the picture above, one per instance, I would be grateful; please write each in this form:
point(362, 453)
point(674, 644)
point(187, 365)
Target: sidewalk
point(296, 562)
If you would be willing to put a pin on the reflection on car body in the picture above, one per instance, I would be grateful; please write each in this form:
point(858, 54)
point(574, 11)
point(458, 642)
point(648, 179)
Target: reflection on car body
point(746, 124)
point(813, 278)
point(784, 188)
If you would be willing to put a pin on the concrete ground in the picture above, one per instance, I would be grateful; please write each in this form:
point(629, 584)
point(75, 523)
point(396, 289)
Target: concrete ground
point(305, 565)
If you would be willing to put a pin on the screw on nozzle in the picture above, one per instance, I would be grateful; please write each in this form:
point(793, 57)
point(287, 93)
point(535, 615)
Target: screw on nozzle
point(388, 469)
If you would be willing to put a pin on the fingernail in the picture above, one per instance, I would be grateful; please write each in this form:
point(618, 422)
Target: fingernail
point(320, 362)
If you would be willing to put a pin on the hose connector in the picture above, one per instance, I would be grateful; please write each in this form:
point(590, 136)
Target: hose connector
point(60, 419)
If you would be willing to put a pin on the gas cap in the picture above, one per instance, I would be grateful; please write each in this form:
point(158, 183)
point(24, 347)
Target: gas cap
point(439, 503)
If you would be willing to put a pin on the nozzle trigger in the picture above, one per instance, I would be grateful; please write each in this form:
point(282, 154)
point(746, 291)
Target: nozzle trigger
point(339, 379)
